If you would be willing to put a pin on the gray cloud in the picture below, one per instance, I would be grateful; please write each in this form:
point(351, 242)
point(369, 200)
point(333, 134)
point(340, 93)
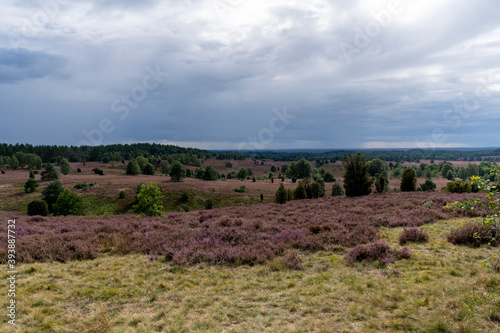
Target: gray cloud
point(230, 63)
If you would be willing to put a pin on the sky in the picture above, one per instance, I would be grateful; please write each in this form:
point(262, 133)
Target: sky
point(251, 74)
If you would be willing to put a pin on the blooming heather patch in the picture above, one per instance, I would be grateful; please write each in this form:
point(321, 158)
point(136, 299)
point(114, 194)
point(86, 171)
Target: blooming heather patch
point(237, 235)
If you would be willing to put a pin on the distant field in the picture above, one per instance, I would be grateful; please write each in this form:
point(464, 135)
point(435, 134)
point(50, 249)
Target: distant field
point(104, 196)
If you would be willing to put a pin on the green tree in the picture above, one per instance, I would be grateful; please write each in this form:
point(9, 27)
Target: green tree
point(68, 203)
point(408, 181)
point(177, 172)
point(445, 167)
point(357, 181)
point(380, 184)
point(150, 200)
point(328, 178)
point(242, 173)
point(450, 175)
point(281, 195)
point(51, 193)
point(141, 162)
point(211, 173)
point(377, 168)
point(65, 166)
point(428, 185)
point(32, 174)
point(300, 192)
point(30, 186)
point(148, 170)
point(14, 163)
point(133, 168)
point(50, 173)
point(337, 190)
point(38, 207)
point(164, 167)
point(301, 169)
point(316, 190)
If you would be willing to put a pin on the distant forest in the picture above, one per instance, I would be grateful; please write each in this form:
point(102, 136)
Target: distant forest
point(122, 152)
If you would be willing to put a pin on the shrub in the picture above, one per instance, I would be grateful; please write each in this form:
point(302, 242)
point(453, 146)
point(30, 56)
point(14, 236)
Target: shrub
point(357, 181)
point(209, 204)
point(281, 195)
point(291, 260)
point(79, 170)
point(30, 185)
point(408, 181)
point(83, 186)
point(328, 178)
point(458, 186)
point(149, 200)
point(133, 168)
point(32, 174)
point(177, 172)
point(337, 190)
point(148, 170)
point(68, 203)
point(65, 166)
point(185, 196)
point(38, 207)
point(51, 193)
point(376, 251)
point(210, 173)
point(3, 172)
point(429, 185)
point(98, 171)
point(122, 195)
point(261, 197)
point(241, 189)
point(50, 173)
point(300, 192)
point(414, 235)
point(380, 184)
point(473, 233)
point(185, 207)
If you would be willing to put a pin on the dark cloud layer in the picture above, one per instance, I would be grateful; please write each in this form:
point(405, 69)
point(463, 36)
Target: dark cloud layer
point(221, 74)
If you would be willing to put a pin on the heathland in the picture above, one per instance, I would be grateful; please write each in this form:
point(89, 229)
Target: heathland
point(223, 256)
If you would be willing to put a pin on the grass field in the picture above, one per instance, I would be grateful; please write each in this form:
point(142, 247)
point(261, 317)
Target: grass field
point(442, 288)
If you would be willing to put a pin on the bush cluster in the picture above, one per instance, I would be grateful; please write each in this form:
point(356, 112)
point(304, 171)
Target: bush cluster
point(413, 235)
point(472, 233)
point(377, 251)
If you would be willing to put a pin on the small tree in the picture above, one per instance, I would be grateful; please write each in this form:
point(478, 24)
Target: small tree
point(30, 186)
point(357, 181)
point(429, 185)
point(68, 203)
point(337, 190)
point(300, 192)
point(51, 193)
point(242, 173)
point(32, 174)
point(133, 168)
point(50, 173)
point(165, 167)
point(149, 200)
point(177, 172)
point(148, 170)
point(210, 173)
point(380, 184)
point(281, 195)
point(328, 178)
point(408, 181)
point(38, 207)
point(65, 166)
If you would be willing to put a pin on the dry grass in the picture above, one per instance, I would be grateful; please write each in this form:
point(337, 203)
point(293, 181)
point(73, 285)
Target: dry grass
point(442, 288)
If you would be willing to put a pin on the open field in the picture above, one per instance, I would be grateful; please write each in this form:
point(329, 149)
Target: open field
point(442, 288)
point(104, 196)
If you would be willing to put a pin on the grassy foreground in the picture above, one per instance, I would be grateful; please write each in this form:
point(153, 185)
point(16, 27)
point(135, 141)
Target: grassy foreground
point(442, 288)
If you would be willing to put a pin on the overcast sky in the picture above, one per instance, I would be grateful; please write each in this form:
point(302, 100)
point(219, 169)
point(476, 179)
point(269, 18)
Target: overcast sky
point(246, 74)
